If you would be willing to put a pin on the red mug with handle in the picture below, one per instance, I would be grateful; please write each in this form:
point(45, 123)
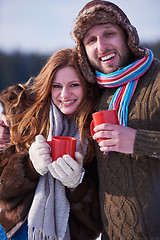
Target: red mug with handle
point(106, 116)
point(61, 145)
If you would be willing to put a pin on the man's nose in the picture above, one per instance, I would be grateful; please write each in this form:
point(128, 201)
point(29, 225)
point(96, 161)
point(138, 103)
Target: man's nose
point(101, 44)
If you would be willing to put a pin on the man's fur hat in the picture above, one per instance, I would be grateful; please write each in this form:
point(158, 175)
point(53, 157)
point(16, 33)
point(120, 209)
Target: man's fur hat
point(101, 12)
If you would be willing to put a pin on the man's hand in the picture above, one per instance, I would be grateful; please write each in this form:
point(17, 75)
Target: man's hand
point(4, 134)
point(118, 138)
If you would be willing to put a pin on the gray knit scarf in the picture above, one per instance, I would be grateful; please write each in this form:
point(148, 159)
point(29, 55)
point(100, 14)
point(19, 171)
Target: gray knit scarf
point(49, 212)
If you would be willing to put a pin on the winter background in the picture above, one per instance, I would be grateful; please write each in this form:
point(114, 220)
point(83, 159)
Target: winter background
point(45, 26)
point(42, 27)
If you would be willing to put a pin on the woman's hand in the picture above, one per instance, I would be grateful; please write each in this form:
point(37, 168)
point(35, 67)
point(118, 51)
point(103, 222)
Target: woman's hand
point(67, 170)
point(39, 154)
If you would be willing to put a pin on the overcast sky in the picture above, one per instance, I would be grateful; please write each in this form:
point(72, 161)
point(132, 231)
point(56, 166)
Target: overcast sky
point(44, 26)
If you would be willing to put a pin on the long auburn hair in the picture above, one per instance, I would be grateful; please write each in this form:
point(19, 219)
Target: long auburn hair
point(34, 119)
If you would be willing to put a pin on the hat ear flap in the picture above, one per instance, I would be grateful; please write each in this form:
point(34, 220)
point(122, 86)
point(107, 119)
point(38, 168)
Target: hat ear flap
point(133, 41)
point(85, 66)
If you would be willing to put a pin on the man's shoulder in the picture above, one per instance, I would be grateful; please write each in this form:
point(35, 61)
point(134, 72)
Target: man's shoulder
point(156, 63)
point(154, 69)
point(152, 76)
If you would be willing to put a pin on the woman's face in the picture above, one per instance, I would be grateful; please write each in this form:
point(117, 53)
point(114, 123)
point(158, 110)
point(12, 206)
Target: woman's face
point(67, 90)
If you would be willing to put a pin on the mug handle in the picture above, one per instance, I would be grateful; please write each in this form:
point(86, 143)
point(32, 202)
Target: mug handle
point(92, 127)
point(49, 142)
point(93, 132)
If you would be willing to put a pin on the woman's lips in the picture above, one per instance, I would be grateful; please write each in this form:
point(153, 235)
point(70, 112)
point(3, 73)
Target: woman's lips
point(68, 102)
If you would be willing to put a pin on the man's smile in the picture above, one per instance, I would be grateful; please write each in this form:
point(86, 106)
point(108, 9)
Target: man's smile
point(107, 57)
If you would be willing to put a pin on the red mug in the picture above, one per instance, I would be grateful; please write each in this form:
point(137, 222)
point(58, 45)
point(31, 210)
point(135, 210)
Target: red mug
point(107, 116)
point(61, 145)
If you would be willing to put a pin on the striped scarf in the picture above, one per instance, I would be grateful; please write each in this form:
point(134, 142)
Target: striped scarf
point(126, 79)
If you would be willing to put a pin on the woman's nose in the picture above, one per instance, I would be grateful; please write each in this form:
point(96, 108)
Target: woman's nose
point(65, 92)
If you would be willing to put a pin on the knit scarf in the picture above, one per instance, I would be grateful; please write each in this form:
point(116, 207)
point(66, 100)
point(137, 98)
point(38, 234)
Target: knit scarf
point(126, 80)
point(49, 212)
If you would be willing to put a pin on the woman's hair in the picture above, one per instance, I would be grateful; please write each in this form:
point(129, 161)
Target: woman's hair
point(35, 118)
point(15, 101)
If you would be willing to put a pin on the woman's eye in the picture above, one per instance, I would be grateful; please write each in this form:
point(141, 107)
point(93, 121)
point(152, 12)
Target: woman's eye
point(74, 85)
point(56, 86)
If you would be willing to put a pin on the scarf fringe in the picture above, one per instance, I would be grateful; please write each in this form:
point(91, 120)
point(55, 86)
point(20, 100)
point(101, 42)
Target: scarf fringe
point(37, 234)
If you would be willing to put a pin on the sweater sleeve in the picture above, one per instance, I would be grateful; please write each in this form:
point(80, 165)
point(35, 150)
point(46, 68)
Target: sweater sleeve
point(18, 181)
point(17, 175)
point(147, 143)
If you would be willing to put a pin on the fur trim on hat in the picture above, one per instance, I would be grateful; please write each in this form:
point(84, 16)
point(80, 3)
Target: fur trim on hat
point(102, 12)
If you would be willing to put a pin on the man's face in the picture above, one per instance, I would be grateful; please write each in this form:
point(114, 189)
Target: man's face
point(106, 47)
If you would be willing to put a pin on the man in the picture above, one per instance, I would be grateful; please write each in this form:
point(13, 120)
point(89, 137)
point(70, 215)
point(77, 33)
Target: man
point(129, 174)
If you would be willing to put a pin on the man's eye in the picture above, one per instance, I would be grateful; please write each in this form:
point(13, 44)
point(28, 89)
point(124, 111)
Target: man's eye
point(109, 34)
point(91, 41)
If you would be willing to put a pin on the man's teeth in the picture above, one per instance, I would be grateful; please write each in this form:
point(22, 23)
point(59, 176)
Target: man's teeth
point(108, 57)
point(67, 102)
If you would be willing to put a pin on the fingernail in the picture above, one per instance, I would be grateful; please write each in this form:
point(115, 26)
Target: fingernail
point(2, 147)
point(1, 121)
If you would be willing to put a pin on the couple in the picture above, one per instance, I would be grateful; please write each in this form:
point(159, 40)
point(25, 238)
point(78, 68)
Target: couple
point(128, 79)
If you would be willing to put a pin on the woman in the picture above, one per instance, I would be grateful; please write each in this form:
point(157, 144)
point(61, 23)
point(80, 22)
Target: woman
point(32, 120)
